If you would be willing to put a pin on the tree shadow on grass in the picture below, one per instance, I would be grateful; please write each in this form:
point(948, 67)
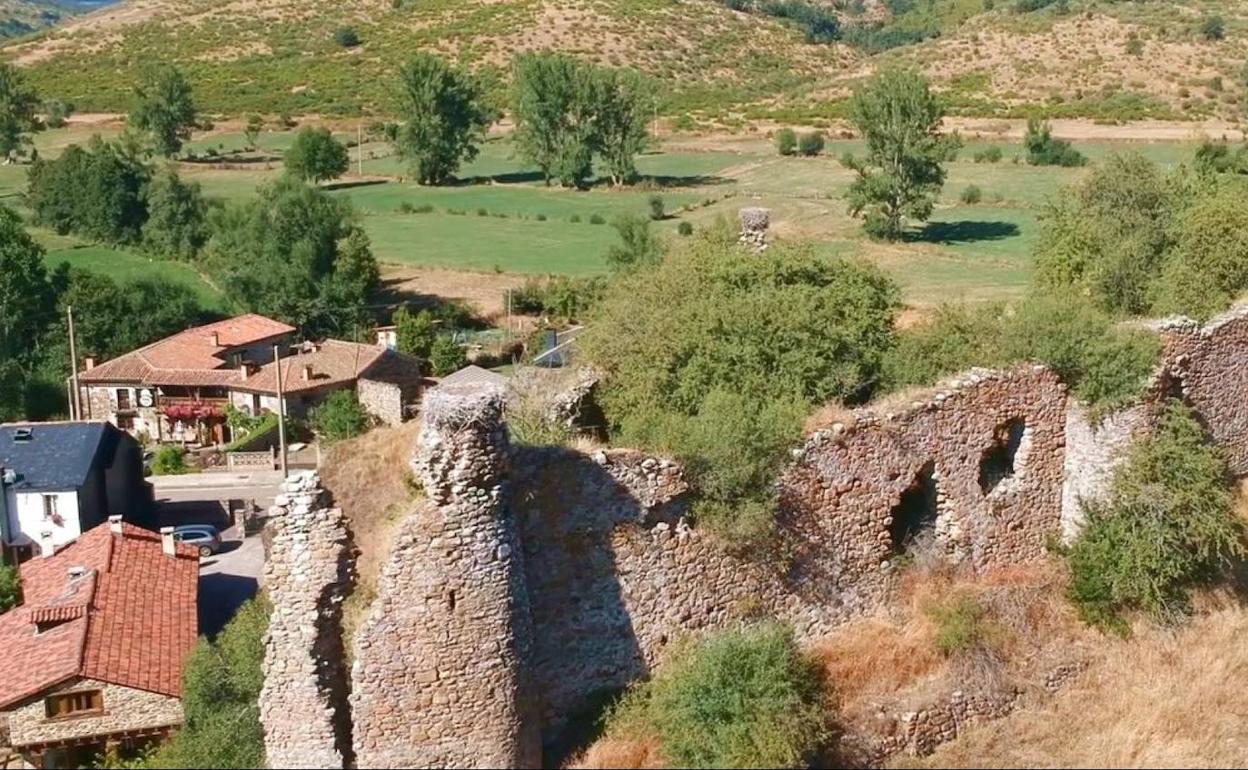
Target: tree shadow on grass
point(962, 231)
point(510, 177)
point(347, 185)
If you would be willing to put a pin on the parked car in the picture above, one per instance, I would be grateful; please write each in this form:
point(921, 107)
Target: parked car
point(204, 537)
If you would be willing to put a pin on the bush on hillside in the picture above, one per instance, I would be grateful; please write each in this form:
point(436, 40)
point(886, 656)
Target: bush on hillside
point(786, 141)
point(971, 194)
point(657, 212)
point(447, 356)
point(1044, 150)
point(987, 155)
point(1167, 525)
point(9, 587)
point(340, 416)
point(96, 191)
point(346, 37)
point(740, 698)
point(1207, 268)
point(811, 144)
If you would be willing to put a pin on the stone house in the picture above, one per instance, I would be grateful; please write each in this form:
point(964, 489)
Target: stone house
point(176, 390)
point(60, 479)
point(93, 656)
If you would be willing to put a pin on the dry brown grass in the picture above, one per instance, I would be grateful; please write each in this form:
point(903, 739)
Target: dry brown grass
point(874, 657)
point(1166, 698)
point(632, 751)
point(369, 480)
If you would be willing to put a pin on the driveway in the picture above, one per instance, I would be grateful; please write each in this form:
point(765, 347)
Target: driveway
point(228, 579)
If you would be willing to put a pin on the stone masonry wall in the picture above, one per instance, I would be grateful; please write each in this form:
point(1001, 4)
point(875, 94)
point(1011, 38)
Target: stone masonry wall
point(842, 493)
point(441, 665)
point(1210, 367)
point(125, 709)
point(383, 400)
point(308, 573)
point(1094, 449)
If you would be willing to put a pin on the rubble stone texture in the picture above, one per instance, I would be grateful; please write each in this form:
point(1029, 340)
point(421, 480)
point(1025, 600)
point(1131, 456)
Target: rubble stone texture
point(1095, 447)
point(441, 662)
point(308, 572)
point(754, 225)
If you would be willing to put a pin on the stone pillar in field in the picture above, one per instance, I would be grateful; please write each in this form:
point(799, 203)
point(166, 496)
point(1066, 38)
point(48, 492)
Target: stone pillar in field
point(303, 703)
point(754, 225)
point(440, 664)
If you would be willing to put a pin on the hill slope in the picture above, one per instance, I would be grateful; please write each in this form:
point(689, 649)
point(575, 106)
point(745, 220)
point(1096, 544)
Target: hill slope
point(22, 17)
point(280, 55)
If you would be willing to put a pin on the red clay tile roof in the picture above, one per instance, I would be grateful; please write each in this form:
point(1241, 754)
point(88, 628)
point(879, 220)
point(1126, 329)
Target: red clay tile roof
point(128, 619)
point(332, 362)
point(189, 358)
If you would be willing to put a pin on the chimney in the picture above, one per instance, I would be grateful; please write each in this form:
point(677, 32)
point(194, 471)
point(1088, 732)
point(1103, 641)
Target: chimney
point(166, 541)
point(46, 549)
point(88, 363)
point(307, 372)
point(114, 524)
point(215, 339)
point(244, 369)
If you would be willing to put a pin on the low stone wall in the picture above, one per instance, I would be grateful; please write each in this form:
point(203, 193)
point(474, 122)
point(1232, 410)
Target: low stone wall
point(125, 710)
point(978, 463)
point(383, 400)
point(1095, 447)
point(307, 575)
point(440, 678)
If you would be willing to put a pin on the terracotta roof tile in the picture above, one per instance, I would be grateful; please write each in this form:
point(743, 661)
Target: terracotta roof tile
point(129, 619)
point(332, 362)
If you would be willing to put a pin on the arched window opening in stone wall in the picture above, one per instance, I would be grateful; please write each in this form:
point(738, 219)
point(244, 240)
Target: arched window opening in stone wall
point(915, 513)
point(999, 461)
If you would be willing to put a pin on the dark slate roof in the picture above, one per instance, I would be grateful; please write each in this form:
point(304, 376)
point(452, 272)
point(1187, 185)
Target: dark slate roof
point(59, 455)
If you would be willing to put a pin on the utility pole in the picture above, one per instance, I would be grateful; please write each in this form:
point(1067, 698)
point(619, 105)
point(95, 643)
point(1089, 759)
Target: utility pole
point(281, 409)
point(75, 401)
point(359, 146)
point(509, 315)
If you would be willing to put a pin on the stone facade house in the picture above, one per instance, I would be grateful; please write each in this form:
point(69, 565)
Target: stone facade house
point(60, 479)
point(93, 656)
point(176, 390)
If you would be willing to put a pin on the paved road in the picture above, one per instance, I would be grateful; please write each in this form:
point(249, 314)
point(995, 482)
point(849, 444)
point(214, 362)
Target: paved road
point(228, 579)
point(260, 486)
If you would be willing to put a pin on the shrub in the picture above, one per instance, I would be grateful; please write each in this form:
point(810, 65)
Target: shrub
point(741, 698)
point(1135, 46)
point(786, 141)
point(657, 211)
point(597, 219)
point(1167, 525)
point(575, 219)
point(346, 37)
point(57, 112)
point(1044, 150)
point(685, 228)
point(447, 356)
point(811, 144)
point(540, 217)
point(971, 195)
point(1213, 28)
point(340, 416)
point(220, 687)
point(960, 622)
point(169, 461)
point(988, 155)
point(481, 212)
point(1208, 264)
point(97, 191)
point(9, 588)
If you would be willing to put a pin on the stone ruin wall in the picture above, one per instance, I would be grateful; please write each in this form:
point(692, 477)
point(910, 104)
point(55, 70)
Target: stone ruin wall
point(443, 659)
point(307, 575)
point(581, 592)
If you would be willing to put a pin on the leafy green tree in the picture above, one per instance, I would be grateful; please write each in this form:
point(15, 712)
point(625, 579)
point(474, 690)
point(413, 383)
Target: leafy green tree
point(554, 108)
point(706, 342)
point(1167, 526)
point(638, 246)
point(739, 698)
point(339, 417)
point(296, 254)
point(177, 223)
point(446, 356)
point(18, 103)
point(97, 191)
point(624, 105)
point(164, 109)
point(251, 132)
point(27, 306)
point(414, 332)
point(1044, 150)
point(1208, 265)
point(899, 117)
point(9, 588)
point(221, 685)
point(445, 116)
point(315, 156)
point(57, 113)
point(786, 141)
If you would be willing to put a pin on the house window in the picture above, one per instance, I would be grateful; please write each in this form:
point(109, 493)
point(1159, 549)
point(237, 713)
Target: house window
point(125, 422)
point(74, 704)
point(123, 399)
point(49, 508)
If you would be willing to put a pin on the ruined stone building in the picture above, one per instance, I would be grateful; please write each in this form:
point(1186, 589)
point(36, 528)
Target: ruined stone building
point(530, 581)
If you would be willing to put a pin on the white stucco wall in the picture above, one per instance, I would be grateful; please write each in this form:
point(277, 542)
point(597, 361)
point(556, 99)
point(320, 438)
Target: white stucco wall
point(26, 520)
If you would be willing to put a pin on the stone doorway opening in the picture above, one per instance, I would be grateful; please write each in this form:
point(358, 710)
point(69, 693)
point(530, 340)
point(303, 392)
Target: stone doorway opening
point(916, 511)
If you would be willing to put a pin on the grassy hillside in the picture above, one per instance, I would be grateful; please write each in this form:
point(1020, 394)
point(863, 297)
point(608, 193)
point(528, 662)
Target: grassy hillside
point(22, 17)
point(1067, 57)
